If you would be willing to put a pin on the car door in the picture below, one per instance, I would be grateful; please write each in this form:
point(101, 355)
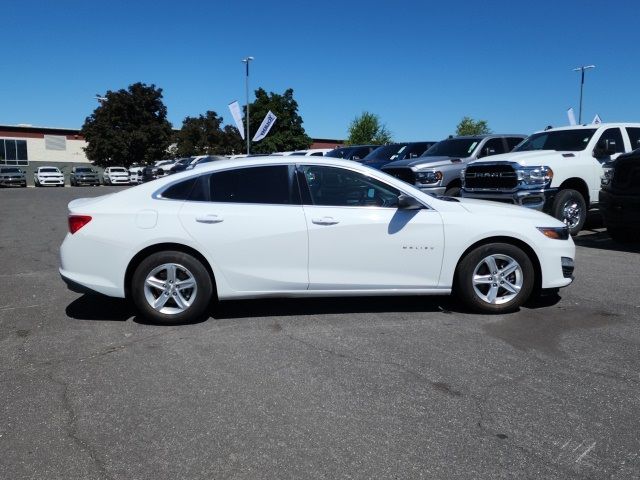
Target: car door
point(252, 225)
point(612, 141)
point(359, 239)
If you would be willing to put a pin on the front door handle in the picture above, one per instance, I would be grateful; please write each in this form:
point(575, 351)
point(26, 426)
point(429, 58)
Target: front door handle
point(325, 221)
point(210, 218)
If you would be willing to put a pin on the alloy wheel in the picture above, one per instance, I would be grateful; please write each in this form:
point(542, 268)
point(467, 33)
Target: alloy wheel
point(170, 288)
point(497, 279)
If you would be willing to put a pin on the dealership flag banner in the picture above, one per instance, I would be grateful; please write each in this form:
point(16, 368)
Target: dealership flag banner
point(572, 117)
point(234, 108)
point(265, 126)
point(596, 120)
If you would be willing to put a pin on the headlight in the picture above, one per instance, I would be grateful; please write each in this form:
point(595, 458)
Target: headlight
point(606, 177)
point(428, 177)
point(556, 233)
point(534, 176)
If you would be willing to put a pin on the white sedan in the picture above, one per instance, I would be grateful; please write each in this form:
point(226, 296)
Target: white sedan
point(300, 227)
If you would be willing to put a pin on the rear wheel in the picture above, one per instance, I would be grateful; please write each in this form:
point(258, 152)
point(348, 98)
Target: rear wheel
point(495, 278)
point(570, 207)
point(171, 287)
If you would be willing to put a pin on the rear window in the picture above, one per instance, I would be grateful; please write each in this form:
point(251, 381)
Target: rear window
point(181, 190)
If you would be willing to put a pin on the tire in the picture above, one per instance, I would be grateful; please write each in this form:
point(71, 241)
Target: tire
point(624, 235)
point(570, 207)
point(477, 295)
point(156, 268)
point(452, 192)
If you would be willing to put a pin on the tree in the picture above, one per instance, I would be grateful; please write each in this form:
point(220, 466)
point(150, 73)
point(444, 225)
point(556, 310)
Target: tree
point(287, 133)
point(129, 126)
point(367, 129)
point(232, 143)
point(469, 126)
point(200, 135)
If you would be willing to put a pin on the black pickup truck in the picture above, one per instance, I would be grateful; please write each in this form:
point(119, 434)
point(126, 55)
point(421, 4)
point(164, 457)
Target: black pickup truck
point(620, 197)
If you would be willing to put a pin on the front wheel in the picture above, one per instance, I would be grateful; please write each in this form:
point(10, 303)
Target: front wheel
point(570, 207)
point(171, 287)
point(495, 278)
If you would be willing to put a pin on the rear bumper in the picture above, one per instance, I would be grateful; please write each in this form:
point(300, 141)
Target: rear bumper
point(536, 199)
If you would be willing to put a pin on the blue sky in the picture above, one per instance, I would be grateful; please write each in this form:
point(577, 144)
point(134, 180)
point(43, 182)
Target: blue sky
point(421, 66)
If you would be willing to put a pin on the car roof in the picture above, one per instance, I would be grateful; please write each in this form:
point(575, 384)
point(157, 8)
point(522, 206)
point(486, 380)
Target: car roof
point(488, 135)
point(586, 126)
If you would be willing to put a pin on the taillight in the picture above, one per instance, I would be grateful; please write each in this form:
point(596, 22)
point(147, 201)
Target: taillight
point(76, 222)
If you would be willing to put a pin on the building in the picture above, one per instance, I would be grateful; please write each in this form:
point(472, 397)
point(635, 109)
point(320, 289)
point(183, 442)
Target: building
point(31, 147)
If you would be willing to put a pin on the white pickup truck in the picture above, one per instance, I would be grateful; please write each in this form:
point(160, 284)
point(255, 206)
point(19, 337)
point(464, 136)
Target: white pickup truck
point(557, 171)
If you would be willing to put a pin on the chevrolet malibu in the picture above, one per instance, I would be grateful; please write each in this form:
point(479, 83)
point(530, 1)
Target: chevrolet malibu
point(299, 227)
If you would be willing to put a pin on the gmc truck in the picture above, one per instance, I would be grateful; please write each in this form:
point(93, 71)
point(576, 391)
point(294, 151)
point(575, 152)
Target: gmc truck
point(557, 171)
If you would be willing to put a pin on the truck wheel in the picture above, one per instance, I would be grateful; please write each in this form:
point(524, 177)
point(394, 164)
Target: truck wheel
point(569, 207)
point(495, 278)
point(452, 192)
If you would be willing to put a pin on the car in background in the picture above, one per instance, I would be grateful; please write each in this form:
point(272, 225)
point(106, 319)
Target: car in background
point(115, 176)
point(619, 199)
point(163, 167)
point(352, 152)
point(135, 174)
point(312, 152)
point(151, 172)
point(12, 177)
point(48, 176)
point(180, 165)
point(203, 160)
point(83, 176)
point(438, 170)
point(394, 151)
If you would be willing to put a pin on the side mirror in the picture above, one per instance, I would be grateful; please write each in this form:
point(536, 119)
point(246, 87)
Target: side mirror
point(355, 158)
point(407, 202)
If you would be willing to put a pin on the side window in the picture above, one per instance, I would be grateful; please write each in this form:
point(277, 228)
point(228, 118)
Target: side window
point(493, 146)
point(181, 190)
point(611, 140)
point(339, 187)
point(512, 142)
point(267, 185)
point(634, 137)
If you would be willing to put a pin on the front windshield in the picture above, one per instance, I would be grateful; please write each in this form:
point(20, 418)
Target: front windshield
point(49, 170)
point(453, 147)
point(118, 170)
point(83, 170)
point(560, 140)
point(387, 152)
point(10, 170)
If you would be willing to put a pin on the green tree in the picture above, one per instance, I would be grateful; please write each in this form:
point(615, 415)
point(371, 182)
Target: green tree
point(200, 135)
point(469, 126)
point(129, 126)
point(287, 133)
point(367, 129)
point(231, 141)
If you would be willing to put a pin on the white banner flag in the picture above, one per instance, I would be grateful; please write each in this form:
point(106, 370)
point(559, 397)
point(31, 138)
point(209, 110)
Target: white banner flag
point(265, 126)
point(596, 119)
point(234, 108)
point(572, 117)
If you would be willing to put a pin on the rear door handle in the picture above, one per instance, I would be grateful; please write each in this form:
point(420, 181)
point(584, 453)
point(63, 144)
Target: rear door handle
point(210, 218)
point(325, 221)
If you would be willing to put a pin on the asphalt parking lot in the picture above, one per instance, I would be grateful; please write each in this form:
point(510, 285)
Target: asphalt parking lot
point(325, 388)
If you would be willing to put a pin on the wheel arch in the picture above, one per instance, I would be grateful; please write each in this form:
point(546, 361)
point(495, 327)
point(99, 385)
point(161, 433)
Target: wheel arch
point(524, 246)
point(579, 185)
point(161, 247)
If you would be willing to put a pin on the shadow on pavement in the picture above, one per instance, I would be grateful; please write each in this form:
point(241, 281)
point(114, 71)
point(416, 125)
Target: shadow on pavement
point(98, 307)
point(603, 241)
point(273, 307)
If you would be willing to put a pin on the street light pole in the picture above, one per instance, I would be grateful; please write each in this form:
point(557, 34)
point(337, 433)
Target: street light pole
point(246, 87)
point(581, 70)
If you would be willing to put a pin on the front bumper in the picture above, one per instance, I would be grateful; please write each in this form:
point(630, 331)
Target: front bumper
point(87, 181)
point(51, 181)
point(536, 199)
point(119, 180)
point(622, 211)
point(13, 182)
point(431, 190)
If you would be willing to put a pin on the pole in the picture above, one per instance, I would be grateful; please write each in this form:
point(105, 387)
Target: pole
point(581, 70)
point(246, 87)
point(581, 88)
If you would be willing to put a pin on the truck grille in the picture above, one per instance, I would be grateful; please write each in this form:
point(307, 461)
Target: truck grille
point(626, 177)
point(404, 174)
point(490, 177)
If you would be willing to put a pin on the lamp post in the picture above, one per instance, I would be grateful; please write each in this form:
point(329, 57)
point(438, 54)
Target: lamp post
point(581, 70)
point(246, 61)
